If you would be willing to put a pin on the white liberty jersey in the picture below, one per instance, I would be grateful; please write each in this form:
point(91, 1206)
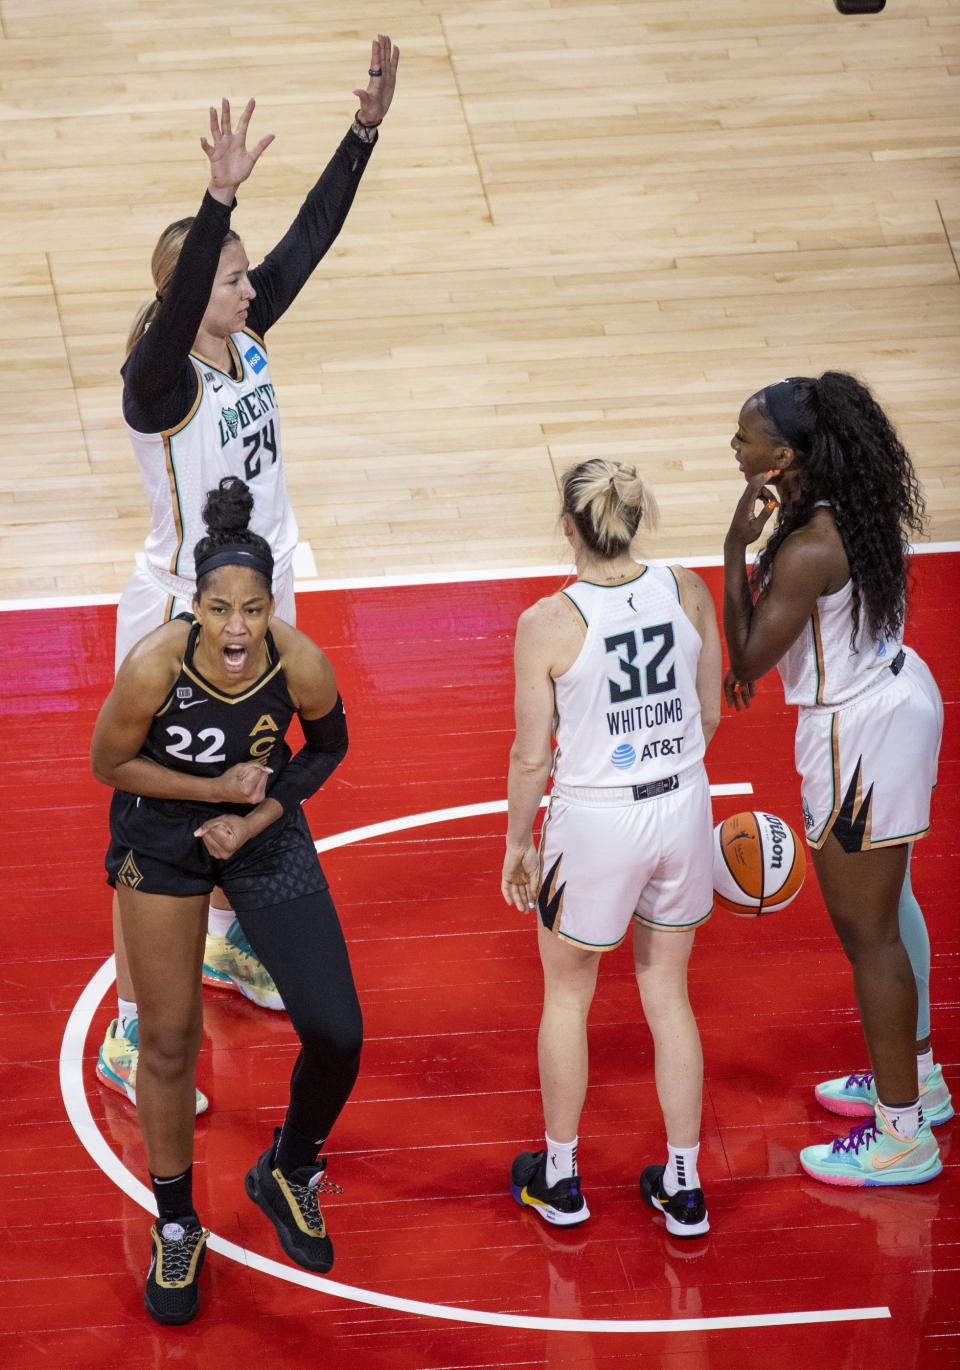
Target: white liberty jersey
point(628, 709)
point(233, 429)
point(821, 667)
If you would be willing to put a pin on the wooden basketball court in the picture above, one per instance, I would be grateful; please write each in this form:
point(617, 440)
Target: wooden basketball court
point(589, 229)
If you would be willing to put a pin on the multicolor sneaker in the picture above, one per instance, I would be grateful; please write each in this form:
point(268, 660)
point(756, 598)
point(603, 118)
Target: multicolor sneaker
point(873, 1154)
point(229, 963)
point(685, 1211)
point(291, 1204)
point(118, 1061)
point(561, 1204)
point(172, 1294)
point(856, 1096)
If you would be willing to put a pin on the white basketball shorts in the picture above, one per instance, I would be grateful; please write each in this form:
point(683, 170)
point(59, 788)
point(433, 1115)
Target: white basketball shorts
point(145, 604)
point(606, 859)
point(867, 768)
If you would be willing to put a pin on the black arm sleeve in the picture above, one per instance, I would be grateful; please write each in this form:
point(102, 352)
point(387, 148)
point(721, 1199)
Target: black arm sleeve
point(326, 746)
point(159, 382)
point(283, 273)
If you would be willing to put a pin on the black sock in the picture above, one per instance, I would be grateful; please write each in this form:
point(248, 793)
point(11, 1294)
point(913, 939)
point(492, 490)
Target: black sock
point(295, 1151)
point(174, 1198)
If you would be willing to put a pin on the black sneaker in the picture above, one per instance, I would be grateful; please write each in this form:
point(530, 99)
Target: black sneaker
point(685, 1211)
point(291, 1204)
point(563, 1204)
point(172, 1294)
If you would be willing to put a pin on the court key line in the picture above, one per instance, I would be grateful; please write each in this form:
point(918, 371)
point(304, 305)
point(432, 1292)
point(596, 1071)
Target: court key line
point(93, 1142)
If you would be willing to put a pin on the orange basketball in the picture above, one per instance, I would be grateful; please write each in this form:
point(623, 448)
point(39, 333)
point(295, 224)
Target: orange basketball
point(758, 864)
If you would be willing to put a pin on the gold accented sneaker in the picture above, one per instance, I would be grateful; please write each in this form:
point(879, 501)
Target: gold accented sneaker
point(172, 1294)
point(292, 1205)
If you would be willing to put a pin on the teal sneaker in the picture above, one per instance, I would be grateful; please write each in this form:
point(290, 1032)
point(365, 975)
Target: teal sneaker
point(118, 1061)
point(874, 1155)
point(856, 1096)
point(229, 963)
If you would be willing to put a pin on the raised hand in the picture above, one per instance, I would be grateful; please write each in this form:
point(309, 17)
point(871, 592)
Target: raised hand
point(747, 523)
point(231, 162)
point(375, 100)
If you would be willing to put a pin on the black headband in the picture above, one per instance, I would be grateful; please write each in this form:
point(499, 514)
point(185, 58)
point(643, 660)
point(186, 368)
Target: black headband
point(781, 404)
point(236, 554)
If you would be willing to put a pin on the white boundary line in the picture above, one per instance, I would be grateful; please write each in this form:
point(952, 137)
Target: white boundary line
point(78, 1112)
point(415, 578)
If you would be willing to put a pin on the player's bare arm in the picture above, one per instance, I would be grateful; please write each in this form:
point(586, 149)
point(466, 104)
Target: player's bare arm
point(310, 676)
point(810, 563)
point(536, 660)
point(697, 603)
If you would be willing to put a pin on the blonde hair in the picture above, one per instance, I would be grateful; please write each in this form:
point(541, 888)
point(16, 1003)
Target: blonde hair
point(166, 254)
point(607, 501)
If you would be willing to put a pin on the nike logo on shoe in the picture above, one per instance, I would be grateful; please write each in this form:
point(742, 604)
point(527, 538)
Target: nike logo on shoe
point(879, 1163)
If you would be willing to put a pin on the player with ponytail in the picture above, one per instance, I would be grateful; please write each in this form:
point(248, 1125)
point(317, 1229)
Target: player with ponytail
point(199, 403)
point(623, 668)
point(206, 793)
point(826, 605)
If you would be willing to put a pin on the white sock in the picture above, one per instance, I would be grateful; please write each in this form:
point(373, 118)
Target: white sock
point(219, 921)
point(126, 1014)
point(924, 1065)
point(904, 1122)
point(680, 1171)
point(561, 1161)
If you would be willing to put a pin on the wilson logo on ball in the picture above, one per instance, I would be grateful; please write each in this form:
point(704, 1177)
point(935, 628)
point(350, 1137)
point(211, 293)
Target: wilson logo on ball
point(758, 864)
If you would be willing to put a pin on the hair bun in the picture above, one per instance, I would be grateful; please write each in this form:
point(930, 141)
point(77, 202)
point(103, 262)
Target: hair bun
point(228, 508)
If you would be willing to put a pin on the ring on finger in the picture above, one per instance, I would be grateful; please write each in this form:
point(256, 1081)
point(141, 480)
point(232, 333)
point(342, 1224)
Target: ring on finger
point(375, 71)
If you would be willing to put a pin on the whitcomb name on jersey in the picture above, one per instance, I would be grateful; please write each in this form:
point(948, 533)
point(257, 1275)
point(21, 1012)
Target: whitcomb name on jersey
point(649, 715)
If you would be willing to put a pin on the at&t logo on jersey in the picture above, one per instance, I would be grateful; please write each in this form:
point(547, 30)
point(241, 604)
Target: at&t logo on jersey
point(255, 359)
point(623, 756)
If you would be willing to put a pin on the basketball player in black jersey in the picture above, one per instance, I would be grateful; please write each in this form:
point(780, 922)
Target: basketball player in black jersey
point(206, 792)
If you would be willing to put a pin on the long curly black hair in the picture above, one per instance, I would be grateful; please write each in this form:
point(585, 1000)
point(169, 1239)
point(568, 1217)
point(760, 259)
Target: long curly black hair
point(853, 461)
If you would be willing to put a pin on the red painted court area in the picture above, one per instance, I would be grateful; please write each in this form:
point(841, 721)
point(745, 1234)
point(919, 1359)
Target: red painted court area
point(450, 985)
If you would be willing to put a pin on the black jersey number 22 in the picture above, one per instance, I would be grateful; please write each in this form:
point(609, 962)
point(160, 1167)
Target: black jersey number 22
point(655, 684)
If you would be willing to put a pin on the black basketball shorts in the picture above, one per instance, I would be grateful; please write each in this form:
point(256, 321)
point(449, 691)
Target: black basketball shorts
point(153, 849)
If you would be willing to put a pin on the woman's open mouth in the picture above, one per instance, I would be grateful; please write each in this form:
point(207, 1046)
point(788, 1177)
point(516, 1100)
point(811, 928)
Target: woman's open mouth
point(234, 657)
